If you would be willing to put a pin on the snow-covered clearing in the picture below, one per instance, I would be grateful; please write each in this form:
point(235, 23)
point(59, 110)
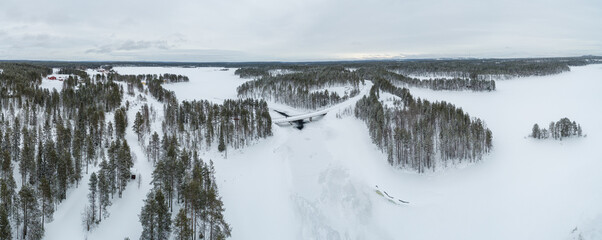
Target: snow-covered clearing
point(388, 99)
point(52, 84)
point(340, 90)
point(320, 182)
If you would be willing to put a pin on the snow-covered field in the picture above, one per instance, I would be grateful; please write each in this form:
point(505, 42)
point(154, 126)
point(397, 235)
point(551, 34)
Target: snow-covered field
point(320, 183)
point(208, 83)
point(52, 84)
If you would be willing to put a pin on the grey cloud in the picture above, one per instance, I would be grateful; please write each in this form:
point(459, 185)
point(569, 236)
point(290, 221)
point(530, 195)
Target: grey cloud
point(299, 30)
point(130, 45)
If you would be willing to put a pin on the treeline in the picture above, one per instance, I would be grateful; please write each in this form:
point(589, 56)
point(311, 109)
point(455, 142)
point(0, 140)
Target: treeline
point(454, 84)
point(51, 137)
point(487, 69)
point(251, 72)
point(303, 89)
point(72, 71)
point(19, 79)
point(135, 79)
point(563, 128)
point(570, 61)
point(201, 124)
point(420, 135)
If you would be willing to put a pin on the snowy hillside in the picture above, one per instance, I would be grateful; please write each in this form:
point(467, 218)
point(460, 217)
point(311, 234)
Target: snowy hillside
point(321, 182)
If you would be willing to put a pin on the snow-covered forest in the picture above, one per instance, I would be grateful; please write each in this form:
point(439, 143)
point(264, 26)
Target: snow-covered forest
point(170, 152)
point(421, 135)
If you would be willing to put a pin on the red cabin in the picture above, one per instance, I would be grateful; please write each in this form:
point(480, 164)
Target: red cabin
point(52, 78)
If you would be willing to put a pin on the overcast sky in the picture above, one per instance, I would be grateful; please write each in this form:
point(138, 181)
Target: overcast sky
point(280, 30)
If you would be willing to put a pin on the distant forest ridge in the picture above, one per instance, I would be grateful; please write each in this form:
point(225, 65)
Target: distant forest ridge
point(440, 64)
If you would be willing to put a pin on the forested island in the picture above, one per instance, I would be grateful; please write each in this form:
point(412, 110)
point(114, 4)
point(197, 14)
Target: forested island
point(421, 135)
point(563, 128)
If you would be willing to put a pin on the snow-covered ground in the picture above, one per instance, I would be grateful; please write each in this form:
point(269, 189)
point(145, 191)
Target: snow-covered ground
point(52, 84)
point(388, 99)
point(320, 182)
point(208, 83)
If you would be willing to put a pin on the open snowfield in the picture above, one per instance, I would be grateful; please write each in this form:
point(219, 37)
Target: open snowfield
point(52, 84)
point(208, 83)
point(320, 182)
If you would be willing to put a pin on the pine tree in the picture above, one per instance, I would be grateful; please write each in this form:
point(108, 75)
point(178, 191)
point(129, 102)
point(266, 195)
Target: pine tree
point(124, 163)
point(90, 152)
point(120, 122)
point(164, 174)
point(6, 167)
point(92, 186)
point(47, 201)
point(103, 193)
point(138, 125)
point(148, 218)
point(27, 164)
point(536, 133)
point(163, 217)
point(182, 230)
point(32, 228)
point(5, 230)
point(222, 145)
point(155, 217)
point(77, 154)
point(7, 192)
point(154, 147)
